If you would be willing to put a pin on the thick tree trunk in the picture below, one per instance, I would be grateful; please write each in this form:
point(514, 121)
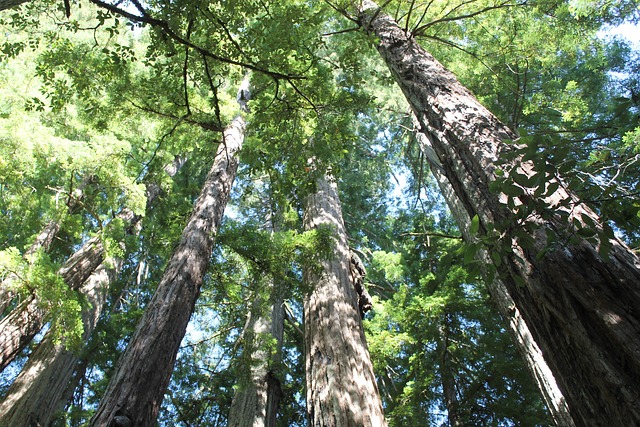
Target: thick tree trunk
point(45, 382)
point(255, 403)
point(341, 387)
point(136, 390)
point(40, 388)
point(582, 310)
point(517, 327)
point(27, 319)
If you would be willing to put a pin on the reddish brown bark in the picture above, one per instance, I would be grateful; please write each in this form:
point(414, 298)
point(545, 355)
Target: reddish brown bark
point(341, 387)
point(582, 310)
point(27, 319)
point(136, 390)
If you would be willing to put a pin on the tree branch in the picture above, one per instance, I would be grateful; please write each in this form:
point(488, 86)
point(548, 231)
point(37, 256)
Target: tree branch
point(166, 29)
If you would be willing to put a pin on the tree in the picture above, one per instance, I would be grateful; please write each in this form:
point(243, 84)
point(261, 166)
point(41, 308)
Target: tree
point(137, 387)
point(256, 400)
point(28, 318)
point(40, 390)
point(566, 305)
point(255, 403)
point(341, 387)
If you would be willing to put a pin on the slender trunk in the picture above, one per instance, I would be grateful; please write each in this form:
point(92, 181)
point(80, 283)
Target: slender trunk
point(27, 319)
point(341, 387)
point(581, 309)
point(136, 390)
point(255, 403)
point(517, 327)
point(35, 395)
point(447, 375)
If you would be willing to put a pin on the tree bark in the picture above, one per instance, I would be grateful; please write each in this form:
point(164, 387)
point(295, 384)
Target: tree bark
point(341, 387)
point(582, 310)
point(45, 382)
point(136, 390)
point(447, 374)
point(40, 388)
point(27, 319)
point(255, 403)
point(7, 4)
point(517, 327)
point(43, 241)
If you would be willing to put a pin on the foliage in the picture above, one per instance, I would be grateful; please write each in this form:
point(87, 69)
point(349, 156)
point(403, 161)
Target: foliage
point(98, 106)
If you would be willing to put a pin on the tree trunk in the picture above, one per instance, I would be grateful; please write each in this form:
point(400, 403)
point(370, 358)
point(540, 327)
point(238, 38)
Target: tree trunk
point(341, 387)
point(255, 403)
point(582, 310)
point(44, 383)
point(43, 241)
point(27, 319)
point(447, 374)
point(40, 388)
point(6, 4)
point(517, 327)
point(136, 390)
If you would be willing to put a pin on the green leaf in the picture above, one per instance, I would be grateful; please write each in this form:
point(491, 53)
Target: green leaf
point(475, 225)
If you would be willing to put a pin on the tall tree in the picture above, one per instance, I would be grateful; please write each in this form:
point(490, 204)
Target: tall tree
point(40, 389)
point(517, 327)
point(255, 403)
point(341, 386)
point(567, 306)
point(136, 390)
point(28, 318)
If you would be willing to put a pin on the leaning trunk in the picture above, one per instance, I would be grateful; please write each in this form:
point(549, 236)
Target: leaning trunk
point(579, 306)
point(27, 319)
point(42, 242)
point(45, 382)
point(136, 390)
point(38, 391)
point(517, 327)
point(341, 387)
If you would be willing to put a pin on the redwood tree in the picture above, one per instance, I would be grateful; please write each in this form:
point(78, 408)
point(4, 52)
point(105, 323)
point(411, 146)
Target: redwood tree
point(137, 387)
point(579, 304)
point(341, 387)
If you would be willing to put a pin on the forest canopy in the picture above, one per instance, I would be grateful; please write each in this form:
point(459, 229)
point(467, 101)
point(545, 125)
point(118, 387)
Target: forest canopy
point(226, 163)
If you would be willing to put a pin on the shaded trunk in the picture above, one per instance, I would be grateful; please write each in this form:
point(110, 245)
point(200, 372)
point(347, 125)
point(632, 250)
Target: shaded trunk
point(255, 403)
point(137, 387)
point(582, 310)
point(517, 327)
point(40, 388)
point(45, 382)
point(27, 319)
point(43, 241)
point(341, 387)
point(6, 4)
point(447, 375)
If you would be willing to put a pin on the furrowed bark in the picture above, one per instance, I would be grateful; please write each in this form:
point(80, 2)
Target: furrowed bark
point(136, 390)
point(43, 241)
point(582, 310)
point(517, 327)
point(45, 382)
point(341, 387)
point(255, 403)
